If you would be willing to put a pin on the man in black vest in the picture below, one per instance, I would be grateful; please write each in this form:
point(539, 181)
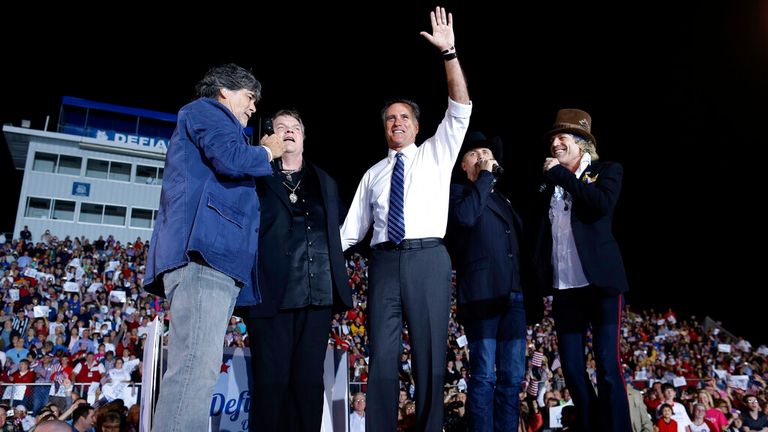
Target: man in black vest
point(302, 276)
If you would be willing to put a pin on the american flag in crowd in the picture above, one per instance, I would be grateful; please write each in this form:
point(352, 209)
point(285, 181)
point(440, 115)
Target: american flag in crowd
point(537, 358)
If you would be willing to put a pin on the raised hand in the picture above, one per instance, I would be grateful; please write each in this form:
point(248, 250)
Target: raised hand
point(442, 29)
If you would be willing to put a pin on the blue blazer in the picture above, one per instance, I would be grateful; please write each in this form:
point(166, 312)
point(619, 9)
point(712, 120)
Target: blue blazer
point(208, 203)
point(480, 238)
point(594, 199)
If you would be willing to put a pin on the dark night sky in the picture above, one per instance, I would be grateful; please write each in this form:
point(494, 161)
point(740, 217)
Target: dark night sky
point(676, 96)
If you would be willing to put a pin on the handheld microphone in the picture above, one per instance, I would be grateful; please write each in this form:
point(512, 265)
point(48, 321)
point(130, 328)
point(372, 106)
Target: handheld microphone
point(496, 169)
point(266, 127)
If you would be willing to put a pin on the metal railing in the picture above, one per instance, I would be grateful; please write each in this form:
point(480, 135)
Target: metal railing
point(34, 396)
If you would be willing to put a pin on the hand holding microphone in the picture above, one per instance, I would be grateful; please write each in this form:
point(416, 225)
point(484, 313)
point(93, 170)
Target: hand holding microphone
point(275, 144)
point(270, 139)
point(549, 163)
point(490, 165)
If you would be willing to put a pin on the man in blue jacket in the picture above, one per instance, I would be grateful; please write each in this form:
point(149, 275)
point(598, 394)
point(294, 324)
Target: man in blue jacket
point(205, 238)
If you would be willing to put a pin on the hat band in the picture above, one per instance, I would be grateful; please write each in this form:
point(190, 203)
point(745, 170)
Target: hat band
point(570, 126)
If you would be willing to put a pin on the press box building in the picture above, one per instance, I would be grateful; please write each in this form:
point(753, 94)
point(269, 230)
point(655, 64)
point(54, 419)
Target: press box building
point(99, 173)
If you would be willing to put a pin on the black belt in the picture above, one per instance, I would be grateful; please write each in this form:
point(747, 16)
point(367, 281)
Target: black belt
point(410, 244)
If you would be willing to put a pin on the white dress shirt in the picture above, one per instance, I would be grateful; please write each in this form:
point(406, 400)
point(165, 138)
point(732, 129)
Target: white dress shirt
point(566, 264)
point(427, 177)
point(356, 422)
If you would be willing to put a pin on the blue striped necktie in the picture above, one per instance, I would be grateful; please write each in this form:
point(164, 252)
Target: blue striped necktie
point(395, 218)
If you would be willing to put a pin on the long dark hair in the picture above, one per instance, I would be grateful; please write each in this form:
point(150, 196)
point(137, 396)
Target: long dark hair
point(229, 76)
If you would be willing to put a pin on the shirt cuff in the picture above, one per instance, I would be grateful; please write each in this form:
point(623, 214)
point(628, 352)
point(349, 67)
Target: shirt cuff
point(456, 109)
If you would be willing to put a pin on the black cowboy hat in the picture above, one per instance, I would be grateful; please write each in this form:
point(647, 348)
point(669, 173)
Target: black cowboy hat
point(475, 140)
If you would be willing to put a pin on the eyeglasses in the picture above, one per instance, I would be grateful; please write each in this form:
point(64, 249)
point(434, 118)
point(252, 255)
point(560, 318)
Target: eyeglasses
point(359, 400)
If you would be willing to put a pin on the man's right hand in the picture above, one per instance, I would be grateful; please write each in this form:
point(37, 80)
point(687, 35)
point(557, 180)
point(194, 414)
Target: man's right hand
point(487, 164)
point(275, 145)
point(549, 163)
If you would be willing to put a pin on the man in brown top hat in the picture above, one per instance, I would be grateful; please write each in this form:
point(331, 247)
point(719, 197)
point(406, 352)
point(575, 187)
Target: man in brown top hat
point(578, 260)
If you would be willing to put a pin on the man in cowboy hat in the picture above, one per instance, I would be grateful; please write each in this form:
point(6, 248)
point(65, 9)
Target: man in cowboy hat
point(578, 260)
point(486, 232)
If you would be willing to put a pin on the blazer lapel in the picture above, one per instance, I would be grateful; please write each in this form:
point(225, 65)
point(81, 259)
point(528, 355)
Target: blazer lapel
point(275, 183)
point(510, 210)
point(323, 182)
point(503, 213)
point(591, 171)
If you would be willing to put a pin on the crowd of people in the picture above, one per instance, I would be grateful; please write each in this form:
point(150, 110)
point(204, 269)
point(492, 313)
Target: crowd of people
point(664, 359)
point(261, 232)
point(73, 323)
point(683, 372)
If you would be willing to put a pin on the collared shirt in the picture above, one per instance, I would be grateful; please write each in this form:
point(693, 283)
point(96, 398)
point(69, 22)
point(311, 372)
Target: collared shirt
point(356, 422)
point(566, 264)
point(427, 178)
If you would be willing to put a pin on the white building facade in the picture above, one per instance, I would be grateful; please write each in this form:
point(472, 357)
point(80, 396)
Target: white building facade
point(99, 174)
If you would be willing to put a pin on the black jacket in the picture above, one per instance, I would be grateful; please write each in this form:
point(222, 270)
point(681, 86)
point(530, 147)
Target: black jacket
point(273, 263)
point(485, 238)
point(595, 195)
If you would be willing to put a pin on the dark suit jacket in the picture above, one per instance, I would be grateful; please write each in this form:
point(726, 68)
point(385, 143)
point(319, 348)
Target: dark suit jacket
point(480, 237)
point(273, 265)
point(595, 195)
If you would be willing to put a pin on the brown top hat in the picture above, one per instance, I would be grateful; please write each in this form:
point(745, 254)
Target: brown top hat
point(573, 121)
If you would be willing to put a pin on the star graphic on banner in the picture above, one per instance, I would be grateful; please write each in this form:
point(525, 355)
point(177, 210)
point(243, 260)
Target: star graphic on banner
point(224, 368)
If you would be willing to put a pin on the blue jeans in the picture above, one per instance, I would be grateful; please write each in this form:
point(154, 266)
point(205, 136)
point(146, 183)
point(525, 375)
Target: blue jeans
point(497, 348)
point(202, 300)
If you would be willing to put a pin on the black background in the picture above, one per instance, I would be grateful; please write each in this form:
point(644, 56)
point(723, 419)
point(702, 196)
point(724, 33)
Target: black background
point(677, 95)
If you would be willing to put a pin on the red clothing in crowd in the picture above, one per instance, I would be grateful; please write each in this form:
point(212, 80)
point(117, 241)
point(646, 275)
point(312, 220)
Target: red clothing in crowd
point(62, 373)
point(26, 378)
point(88, 373)
point(132, 323)
point(341, 343)
point(667, 427)
point(355, 313)
point(23, 290)
point(652, 404)
point(669, 314)
point(536, 422)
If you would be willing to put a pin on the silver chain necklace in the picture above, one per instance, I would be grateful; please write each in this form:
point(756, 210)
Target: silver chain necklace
point(292, 196)
point(288, 173)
